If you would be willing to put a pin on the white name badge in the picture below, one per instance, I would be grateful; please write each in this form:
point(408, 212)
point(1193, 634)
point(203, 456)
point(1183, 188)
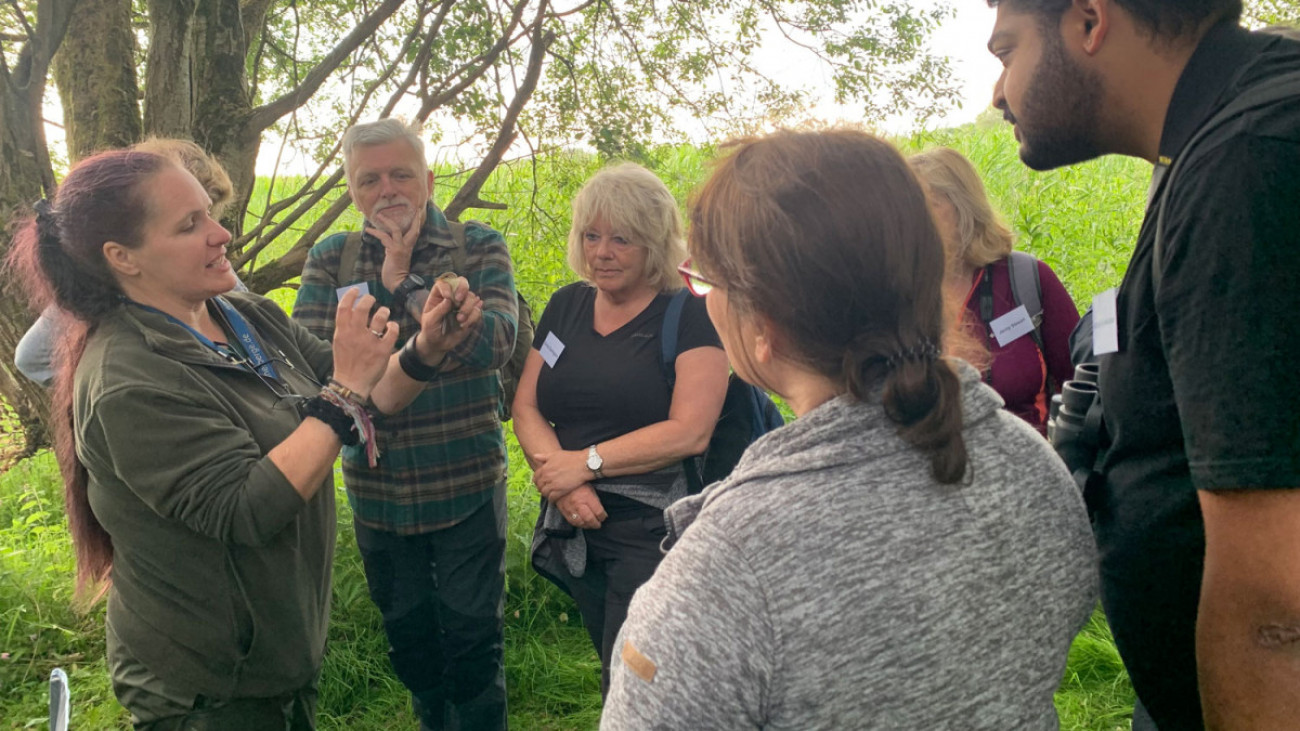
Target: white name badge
point(1011, 326)
point(1105, 327)
point(551, 349)
point(363, 286)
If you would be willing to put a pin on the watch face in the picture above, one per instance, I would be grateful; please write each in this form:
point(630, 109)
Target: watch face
point(594, 461)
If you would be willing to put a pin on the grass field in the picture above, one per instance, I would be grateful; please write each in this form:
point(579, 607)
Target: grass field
point(1081, 221)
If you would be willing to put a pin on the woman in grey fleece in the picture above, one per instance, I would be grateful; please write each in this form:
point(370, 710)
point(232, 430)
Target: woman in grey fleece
point(904, 555)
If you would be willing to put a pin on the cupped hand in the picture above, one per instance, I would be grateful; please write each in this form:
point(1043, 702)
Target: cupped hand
point(450, 314)
point(558, 473)
point(362, 344)
point(582, 508)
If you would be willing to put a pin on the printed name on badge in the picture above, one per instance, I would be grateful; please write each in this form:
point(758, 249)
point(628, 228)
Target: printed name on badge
point(1105, 327)
point(551, 349)
point(363, 286)
point(1012, 326)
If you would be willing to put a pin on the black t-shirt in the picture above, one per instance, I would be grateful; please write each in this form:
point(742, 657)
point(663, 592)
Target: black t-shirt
point(1200, 396)
point(602, 387)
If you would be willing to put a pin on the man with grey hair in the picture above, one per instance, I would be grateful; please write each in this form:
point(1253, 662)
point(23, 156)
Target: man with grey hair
point(1198, 516)
point(431, 518)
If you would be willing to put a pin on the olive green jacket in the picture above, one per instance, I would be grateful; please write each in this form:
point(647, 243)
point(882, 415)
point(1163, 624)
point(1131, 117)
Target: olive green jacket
point(221, 572)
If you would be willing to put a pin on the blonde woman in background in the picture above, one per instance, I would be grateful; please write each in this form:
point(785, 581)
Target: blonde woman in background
point(978, 246)
point(597, 419)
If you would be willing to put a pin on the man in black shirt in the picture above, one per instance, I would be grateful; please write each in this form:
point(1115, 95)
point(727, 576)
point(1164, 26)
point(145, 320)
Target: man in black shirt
point(1199, 526)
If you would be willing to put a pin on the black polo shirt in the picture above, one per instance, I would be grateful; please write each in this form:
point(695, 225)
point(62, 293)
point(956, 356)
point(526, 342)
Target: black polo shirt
point(1201, 395)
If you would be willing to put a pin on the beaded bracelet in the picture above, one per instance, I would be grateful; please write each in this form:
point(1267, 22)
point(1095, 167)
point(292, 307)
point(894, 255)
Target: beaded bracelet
point(345, 392)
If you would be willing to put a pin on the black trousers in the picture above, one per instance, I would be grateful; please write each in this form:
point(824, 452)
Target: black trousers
point(621, 556)
point(441, 595)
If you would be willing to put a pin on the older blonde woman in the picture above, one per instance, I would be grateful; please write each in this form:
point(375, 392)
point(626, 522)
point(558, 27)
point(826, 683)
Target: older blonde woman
point(978, 246)
point(602, 428)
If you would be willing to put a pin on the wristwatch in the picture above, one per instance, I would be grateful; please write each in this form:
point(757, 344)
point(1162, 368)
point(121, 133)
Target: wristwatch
point(595, 462)
point(404, 290)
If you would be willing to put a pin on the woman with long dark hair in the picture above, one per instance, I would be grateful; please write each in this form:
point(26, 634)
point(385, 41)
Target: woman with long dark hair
point(197, 431)
point(905, 554)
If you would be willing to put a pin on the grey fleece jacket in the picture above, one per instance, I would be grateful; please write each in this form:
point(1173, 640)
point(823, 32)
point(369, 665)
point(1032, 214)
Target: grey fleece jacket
point(831, 583)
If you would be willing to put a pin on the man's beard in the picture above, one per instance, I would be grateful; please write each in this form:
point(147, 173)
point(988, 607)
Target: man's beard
point(1058, 120)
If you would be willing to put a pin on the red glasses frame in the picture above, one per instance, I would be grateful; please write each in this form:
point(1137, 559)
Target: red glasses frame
point(697, 283)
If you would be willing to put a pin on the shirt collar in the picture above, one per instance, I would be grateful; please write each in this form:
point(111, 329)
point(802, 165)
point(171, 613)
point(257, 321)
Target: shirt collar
point(1212, 70)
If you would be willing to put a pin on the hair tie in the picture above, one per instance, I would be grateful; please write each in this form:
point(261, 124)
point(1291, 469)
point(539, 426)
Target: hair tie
point(924, 351)
point(47, 225)
point(43, 209)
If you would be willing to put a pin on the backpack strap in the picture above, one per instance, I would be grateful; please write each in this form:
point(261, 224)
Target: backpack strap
point(1023, 270)
point(668, 340)
point(458, 250)
point(668, 364)
point(1270, 91)
point(348, 258)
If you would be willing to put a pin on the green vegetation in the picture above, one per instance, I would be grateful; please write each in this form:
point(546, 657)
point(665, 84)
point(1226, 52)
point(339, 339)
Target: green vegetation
point(1080, 220)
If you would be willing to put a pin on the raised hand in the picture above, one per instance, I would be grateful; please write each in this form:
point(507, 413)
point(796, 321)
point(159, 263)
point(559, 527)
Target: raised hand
point(362, 344)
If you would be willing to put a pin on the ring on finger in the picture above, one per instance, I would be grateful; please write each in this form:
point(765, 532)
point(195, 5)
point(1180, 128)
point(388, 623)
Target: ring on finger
point(378, 333)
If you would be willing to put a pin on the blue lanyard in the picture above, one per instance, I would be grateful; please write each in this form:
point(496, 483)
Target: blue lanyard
point(257, 358)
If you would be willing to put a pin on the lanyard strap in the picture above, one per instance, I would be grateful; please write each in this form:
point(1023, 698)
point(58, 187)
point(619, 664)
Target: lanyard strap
point(242, 330)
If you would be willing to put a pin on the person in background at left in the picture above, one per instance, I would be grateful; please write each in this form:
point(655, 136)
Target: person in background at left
point(978, 246)
point(601, 426)
point(34, 355)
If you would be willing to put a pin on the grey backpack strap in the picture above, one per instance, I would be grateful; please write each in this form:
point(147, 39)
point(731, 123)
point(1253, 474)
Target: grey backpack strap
point(458, 250)
point(1027, 290)
point(348, 259)
point(1276, 89)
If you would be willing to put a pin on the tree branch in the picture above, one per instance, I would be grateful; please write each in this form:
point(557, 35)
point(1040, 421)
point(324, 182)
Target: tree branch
point(467, 196)
point(485, 61)
point(267, 114)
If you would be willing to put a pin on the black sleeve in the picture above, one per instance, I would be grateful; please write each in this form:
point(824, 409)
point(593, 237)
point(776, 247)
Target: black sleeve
point(1227, 308)
point(696, 329)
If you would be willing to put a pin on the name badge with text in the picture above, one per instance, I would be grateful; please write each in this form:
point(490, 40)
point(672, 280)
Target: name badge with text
point(1012, 326)
point(551, 349)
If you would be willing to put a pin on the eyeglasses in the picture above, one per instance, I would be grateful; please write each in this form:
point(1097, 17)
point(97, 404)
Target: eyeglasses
point(697, 283)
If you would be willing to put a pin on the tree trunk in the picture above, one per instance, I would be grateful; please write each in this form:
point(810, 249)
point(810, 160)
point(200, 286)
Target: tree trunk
point(169, 93)
point(20, 185)
point(25, 176)
point(222, 103)
point(95, 74)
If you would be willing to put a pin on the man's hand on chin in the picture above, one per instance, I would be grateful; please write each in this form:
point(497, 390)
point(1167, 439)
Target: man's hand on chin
point(398, 246)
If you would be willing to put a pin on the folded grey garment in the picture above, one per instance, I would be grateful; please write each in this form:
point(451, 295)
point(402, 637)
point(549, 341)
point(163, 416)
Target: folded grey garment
point(658, 489)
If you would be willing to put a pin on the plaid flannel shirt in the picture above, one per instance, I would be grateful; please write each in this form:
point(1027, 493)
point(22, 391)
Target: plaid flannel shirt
point(440, 457)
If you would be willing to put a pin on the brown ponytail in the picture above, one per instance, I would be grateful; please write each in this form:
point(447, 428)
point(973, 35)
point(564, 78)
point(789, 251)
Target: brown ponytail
point(57, 257)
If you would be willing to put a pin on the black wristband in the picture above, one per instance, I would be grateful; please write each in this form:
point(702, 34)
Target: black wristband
point(413, 366)
point(334, 416)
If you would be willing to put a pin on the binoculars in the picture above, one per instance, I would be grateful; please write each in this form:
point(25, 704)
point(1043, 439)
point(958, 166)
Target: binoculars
point(1075, 426)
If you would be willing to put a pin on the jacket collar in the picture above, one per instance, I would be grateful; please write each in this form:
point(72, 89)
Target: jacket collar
point(166, 338)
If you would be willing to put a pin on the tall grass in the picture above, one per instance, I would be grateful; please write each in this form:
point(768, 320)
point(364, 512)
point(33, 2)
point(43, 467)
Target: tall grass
point(1081, 221)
